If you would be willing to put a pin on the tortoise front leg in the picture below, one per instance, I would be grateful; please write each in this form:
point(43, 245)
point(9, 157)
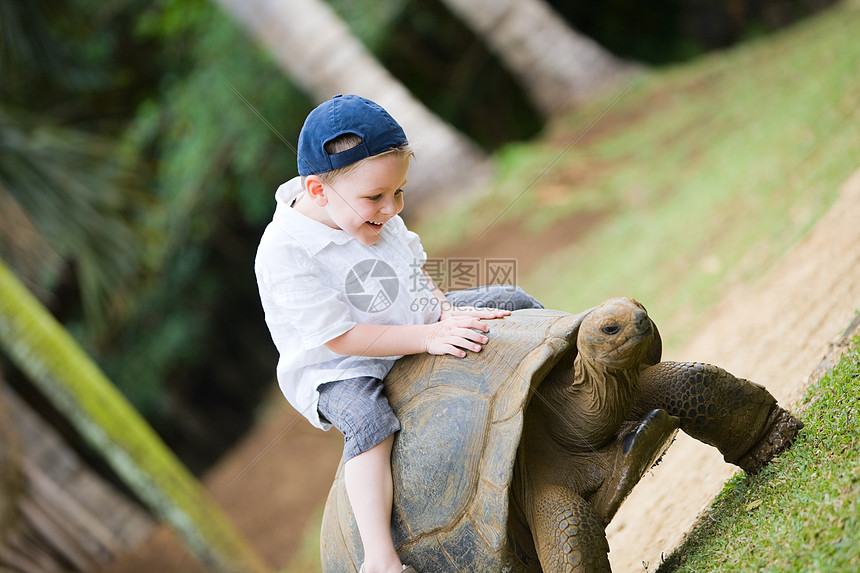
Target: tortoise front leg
point(568, 537)
point(635, 452)
point(740, 418)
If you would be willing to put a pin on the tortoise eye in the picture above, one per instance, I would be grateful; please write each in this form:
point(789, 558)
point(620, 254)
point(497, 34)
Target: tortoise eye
point(611, 329)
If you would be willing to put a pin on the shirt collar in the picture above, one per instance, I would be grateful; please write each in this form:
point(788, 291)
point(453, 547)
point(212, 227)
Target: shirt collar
point(312, 235)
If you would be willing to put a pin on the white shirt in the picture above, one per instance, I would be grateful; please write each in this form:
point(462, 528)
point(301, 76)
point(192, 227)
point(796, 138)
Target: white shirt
point(317, 282)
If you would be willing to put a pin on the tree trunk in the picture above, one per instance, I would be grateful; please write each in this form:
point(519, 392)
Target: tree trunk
point(56, 513)
point(319, 52)
point(10, 473)
point(65, 375)
point(557, 66)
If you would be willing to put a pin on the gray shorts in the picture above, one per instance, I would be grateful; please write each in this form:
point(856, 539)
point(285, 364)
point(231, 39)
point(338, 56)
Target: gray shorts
point(359, 409)
point(358, 406)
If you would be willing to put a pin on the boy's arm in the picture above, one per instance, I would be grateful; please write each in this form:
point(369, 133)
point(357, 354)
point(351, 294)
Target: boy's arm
point(453, 336)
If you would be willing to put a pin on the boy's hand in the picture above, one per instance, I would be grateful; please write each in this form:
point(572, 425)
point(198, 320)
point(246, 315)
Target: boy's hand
point(456, 335)
point(452, 311)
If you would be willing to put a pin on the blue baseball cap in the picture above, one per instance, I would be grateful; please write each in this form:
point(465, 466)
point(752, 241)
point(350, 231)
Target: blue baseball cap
point(340, 115)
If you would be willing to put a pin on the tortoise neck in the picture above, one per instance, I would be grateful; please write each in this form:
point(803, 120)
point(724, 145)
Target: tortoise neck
point(585, 403)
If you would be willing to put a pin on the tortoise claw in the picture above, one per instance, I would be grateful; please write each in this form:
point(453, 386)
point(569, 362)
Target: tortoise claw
point(636, 452)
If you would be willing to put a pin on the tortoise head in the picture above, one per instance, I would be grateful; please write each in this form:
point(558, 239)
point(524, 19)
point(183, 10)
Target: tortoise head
point(617, 334)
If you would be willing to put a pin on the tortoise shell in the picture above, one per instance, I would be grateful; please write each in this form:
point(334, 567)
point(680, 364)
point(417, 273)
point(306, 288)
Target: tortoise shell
point(452, 462)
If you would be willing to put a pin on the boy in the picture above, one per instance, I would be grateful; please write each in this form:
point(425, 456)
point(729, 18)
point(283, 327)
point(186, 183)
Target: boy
point(345, 295)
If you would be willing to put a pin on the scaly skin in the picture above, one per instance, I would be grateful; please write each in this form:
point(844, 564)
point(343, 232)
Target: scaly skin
point(635, 453)
point(738, 417)
point(570, 436)
point(569, 538)
point(572, 476)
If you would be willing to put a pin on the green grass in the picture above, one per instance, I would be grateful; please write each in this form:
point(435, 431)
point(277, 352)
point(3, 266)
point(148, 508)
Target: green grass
point(802, 513)
point(707, 174)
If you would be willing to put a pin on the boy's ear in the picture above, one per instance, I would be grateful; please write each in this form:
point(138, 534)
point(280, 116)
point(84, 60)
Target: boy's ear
point(316, 190)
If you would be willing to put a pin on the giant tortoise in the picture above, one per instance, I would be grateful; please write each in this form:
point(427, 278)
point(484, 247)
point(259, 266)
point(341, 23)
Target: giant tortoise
point(515, 459)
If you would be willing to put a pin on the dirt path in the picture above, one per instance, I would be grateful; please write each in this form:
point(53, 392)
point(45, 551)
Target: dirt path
point(774, 332)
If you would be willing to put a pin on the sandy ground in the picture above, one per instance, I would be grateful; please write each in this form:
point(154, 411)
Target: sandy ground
point(775, 332)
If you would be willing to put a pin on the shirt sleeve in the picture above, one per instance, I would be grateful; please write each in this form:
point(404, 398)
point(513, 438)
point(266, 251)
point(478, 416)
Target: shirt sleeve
point(317, 312)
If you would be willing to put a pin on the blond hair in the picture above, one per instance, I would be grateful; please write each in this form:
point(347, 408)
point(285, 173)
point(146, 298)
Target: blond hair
point(348, 141)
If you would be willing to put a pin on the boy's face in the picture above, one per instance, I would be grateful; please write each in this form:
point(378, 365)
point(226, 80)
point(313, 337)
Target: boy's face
point(362, 201)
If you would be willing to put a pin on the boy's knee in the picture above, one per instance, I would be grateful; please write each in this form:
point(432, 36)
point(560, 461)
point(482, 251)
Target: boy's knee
point(369, 436)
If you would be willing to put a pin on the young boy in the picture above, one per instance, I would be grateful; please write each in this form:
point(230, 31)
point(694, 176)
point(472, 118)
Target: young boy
point(345, 295)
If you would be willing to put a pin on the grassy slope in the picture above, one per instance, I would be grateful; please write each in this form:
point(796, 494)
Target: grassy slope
point(802, 513)
point(707, 174)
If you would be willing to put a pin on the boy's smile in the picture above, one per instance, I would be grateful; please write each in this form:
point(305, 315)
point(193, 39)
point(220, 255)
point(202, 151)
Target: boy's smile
point(362, 201)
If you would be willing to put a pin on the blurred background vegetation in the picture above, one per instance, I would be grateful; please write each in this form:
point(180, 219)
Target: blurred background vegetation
point(135, 182)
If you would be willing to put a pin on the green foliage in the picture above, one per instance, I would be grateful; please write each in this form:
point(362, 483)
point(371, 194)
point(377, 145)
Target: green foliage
point(79, 195)
point(218, 135)
point(222, 127)
point(68, 181)
point(666, 31)
point(802, 513)
point(76, 63)
point(25, 44)
point(372, 21)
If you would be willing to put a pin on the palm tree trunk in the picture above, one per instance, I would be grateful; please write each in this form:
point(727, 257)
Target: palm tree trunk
point(56, 513)
point(319, 52)
point(11, 479)
point(52, 360)
point(558, 66)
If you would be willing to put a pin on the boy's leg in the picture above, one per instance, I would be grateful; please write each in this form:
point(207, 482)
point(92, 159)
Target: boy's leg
point(505, 297)
point(359, 409)
point(367, 478)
